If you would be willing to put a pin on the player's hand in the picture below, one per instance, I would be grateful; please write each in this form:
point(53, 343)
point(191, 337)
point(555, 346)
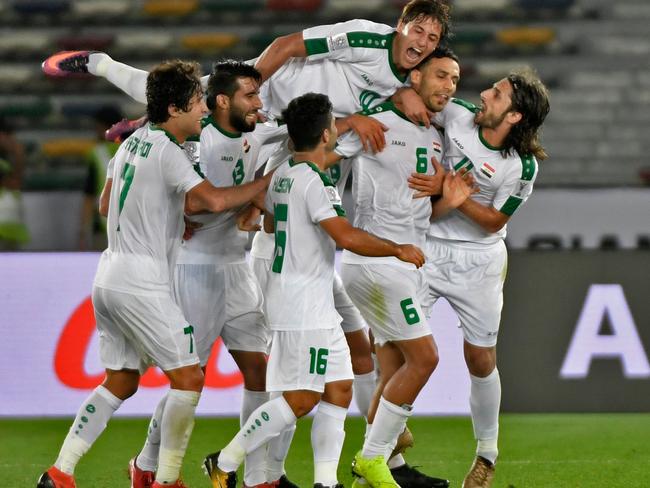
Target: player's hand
point(248, 219)
point(456, 188)
point(410, 254)
point(190, 228)
point(408, 101)
point(370, 131)
point(428, 185)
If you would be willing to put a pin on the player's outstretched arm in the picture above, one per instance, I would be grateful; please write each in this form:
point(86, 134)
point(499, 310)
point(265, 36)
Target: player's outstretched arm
point(361, 242)
point(206, 197)
point(279, 52)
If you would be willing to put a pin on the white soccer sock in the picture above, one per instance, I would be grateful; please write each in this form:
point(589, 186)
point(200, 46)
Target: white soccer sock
point(147, 459)
point(264, 423)
point(90, 422)
point(175, 430)
point(130, 80)
point(484, 401)
point(363, 388)
point(389, 423)
point(327, 436)
point(277, 451)
point(396, 461)
point(255, 463)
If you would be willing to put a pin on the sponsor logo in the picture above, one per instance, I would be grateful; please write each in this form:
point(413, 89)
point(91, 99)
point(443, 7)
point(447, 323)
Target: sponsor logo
point(74, 342)
point(367, 79)
point(227, 158)
point(457, 142)
point(397, 143)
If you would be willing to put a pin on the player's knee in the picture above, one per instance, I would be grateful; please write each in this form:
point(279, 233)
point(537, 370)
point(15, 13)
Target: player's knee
point(362, 364)
point(481, 364)
point(190, 379)
point(303, 404)
point(425, 364)
point(123, 384)
point(338, 393)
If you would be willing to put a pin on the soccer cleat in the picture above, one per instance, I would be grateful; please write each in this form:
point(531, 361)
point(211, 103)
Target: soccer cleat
point(319, 485)
point(119, 131)
point(139, 477)
point(480, 474)
point(67, 63)
point(55, 478)
point(409, 477)
point(177, 484)
point(374, 470)
point(284, 482)
point(404, 441)
point(219, 478)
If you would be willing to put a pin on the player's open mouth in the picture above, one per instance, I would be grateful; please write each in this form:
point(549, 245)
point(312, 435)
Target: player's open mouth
point(413, 54)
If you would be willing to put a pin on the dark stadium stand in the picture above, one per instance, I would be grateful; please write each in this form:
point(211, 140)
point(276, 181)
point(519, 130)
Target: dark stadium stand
point(592, 53)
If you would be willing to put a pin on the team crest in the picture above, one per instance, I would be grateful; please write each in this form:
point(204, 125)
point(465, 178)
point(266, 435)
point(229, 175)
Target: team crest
point(488, 170)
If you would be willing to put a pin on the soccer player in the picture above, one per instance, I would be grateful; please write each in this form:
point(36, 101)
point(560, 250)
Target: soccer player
point(149, 183)
point(309, 360)
point(212, 283)
point(498, 142)
point(385, 290)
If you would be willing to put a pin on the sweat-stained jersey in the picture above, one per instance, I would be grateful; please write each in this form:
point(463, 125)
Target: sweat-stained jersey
point(383, 202)
point(299, 290)
point(350, 62)
point(504, 183)
point(227, 159)
point(150, 176)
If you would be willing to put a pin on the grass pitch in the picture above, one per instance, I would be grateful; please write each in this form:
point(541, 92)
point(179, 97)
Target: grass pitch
point(563, 450)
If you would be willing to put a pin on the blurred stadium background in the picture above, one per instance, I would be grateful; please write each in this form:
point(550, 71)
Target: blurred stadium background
point(576, 324)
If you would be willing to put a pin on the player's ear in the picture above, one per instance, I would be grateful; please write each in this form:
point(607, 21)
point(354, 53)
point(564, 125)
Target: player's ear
point(223, 101)
point(514, 117)
point(416, 77)
point(173, 110)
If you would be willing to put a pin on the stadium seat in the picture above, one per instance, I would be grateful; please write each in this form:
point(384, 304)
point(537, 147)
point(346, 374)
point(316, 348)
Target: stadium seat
point(99, 42)
point(36, 7)
point(480, 7)
point(170, 7)
point(146, 40)
point(233, 5)
point(101, 8)
point(58, 148)
point(15, 75)
point(545, 4)
point(298, 5)
point(24, 41)
point(471, 40)
point(31, 108)
point(526, 37)
point(340, 6)
point(208, 42)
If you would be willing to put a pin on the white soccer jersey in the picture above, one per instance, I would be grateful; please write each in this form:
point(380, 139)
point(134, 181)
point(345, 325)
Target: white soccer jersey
point(299, 289)
point(227, 159)
point(383, 202)
point(504, 183)
point(264, 244)
point(151, 174)
point(350, 62)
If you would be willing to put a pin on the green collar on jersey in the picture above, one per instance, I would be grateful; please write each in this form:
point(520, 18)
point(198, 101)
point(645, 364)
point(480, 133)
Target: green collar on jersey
point(400, 76)
point(171, 136)
point(209, 120)
point(388, 106)
point(486, 143)
point(327, 181)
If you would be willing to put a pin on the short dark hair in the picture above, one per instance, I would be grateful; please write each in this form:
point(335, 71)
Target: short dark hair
point(223, 79)
point(439, 53)
point(171, 83)
point(530, 98)
point(436, 9)
point(307, 117)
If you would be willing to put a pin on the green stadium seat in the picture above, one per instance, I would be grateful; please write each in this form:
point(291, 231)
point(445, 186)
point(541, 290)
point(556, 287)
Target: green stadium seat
point(32, 108)
point(170, 7)
point(208, 41)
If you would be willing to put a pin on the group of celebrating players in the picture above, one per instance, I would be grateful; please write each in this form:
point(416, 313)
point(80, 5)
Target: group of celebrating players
point(438, 175)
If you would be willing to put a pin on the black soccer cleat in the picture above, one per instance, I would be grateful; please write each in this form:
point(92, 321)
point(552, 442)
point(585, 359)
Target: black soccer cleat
point(409, 477)
point(284, 482)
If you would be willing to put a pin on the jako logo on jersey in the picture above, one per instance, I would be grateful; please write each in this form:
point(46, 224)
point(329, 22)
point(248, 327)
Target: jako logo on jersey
point(367, 98)
point(488, 170)
point(397, 143)
point(75, 339)
point(367, 79)
point(457, 143)
point(227, 158)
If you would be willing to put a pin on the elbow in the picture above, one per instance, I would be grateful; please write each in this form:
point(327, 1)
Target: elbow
point(192, 206)
point(103, 210)
point(493, 227)
point(344, 241)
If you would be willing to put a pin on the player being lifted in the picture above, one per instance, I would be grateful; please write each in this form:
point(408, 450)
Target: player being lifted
point(149, 183)
point(498, 142)
point(385, 290)
point(309, 361)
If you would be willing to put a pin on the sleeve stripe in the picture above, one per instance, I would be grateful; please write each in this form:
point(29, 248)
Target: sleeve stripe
point(528, 168)
point(512, 204)
point(316, 46)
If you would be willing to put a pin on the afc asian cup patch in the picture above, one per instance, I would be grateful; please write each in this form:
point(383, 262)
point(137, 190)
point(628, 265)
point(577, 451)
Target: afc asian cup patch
point(338, 42)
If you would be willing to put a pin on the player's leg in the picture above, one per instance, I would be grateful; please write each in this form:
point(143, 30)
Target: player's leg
point(123, 364)
point(294, 365)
